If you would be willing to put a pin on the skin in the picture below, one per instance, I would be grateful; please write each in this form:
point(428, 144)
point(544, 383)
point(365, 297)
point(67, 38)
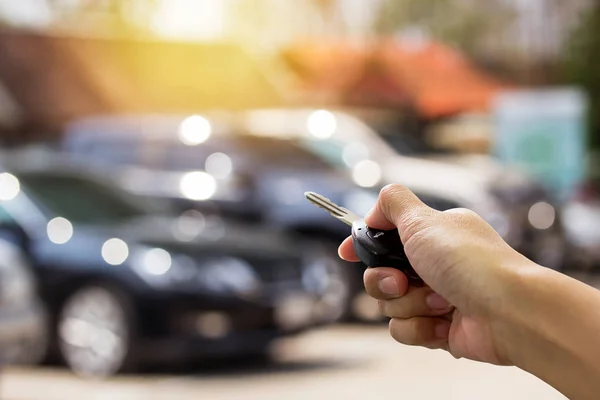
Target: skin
point(483, 300)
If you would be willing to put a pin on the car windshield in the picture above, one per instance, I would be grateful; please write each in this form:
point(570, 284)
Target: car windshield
point(405, 143)
point(328, 151)
point(245, 152)
point(80, 200)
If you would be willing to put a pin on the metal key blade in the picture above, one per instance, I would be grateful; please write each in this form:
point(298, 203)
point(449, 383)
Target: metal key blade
point(344, 215)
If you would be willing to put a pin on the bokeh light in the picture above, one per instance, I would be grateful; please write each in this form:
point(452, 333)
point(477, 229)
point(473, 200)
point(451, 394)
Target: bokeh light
point(115, 251)
point(194, 130)
point(157, 261)
point(189, 225)
point(542, 215)
point(59, 230)
point(367, 173)
point(219, 165)
point(322, 124)
point(9, 186)
point(198, 185)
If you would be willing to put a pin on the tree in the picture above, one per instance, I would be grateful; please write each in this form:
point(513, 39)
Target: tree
point(466, 24)
point(582, 58)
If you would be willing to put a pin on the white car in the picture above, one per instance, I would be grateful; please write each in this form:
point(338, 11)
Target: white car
point(518, 209)
point(582, 219)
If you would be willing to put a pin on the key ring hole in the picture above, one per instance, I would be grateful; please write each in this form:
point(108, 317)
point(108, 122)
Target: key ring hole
point(360, 229)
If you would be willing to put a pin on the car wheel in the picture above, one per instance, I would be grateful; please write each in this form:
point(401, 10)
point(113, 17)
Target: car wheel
point(95, 332)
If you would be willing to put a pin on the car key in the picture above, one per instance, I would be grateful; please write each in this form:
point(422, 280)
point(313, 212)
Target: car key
point(374, 247)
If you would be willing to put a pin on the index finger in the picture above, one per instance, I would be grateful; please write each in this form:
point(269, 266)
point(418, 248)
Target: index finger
point(346, 251)
point(395, 204)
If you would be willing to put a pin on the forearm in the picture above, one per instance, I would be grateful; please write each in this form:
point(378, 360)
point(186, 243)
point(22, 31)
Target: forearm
point(555, 331)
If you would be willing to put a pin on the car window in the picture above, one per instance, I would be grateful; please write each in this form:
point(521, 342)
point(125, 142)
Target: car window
point(80, 200)
point(245, 152)
point(5, 216)
point(123, 151)
point(328, 151)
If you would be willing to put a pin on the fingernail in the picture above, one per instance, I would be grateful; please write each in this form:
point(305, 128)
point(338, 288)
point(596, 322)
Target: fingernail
point(389, 286)
point(436, 302)
point(442, 331)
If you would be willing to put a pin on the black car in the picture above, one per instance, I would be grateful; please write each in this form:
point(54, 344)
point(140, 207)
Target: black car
point(125, 286)
point(22, 316)
point(257, 177)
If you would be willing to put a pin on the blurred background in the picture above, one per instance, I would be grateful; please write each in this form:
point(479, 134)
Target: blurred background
point(154, 237)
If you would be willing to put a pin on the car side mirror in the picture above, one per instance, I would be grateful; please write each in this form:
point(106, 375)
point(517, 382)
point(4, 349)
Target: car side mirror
point(14, 233)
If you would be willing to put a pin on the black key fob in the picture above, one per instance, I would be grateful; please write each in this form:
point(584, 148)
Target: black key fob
point(377, 248)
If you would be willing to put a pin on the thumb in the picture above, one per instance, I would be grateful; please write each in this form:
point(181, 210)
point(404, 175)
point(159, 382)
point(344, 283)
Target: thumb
point(397, 207)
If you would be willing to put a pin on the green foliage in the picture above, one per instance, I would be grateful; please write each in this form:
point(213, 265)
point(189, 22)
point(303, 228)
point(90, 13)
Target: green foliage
point(581, 66)
point(465, 24)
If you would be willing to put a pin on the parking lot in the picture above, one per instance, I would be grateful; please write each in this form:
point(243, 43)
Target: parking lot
point(342, 362)
point(175, 177)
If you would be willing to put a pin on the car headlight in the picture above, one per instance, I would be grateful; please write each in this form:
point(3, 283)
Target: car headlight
point(162, 269)
point(229, 274)
point(360, 201)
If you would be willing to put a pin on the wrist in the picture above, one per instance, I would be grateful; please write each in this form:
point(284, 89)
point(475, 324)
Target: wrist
point(549, 326)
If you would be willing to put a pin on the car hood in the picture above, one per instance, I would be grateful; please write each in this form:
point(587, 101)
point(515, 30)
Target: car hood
point(487, 168)
point(212, 236)
point(485, 164)
point(446, 180)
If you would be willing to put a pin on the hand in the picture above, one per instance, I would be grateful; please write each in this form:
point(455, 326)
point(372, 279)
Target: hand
point(468, 270)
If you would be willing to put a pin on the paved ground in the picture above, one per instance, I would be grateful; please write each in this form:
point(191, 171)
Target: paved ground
point(342, 362)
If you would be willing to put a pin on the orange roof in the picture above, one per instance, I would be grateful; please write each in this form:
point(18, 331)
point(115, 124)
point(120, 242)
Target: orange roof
point(326, 65)
point(436, 78)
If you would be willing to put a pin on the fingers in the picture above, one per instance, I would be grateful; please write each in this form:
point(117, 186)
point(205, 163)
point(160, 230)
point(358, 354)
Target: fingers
point(398, 300)
point(346, 251)
point(421, 331)
point(420, 302)
point(385, 283)
point(395, 204)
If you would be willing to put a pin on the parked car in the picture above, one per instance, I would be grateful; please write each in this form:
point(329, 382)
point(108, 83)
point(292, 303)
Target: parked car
point(261, 161)
point(125, 285)
point(582, 218)
point(22, 317)
point(521, 211)
point(244, 175)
